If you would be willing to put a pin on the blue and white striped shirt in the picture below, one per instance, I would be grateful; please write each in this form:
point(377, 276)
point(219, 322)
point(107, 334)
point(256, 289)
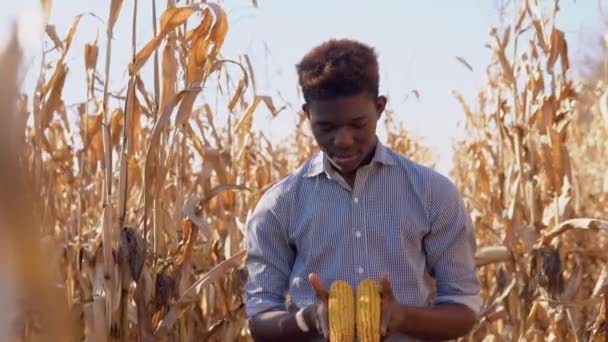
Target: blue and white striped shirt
point(400, 217)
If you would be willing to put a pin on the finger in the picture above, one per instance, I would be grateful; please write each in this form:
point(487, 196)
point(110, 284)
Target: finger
point(325, 328)
point(385, 319)
point(386, 292)
point(317, 285)
point(322, 320)
point(386, 289)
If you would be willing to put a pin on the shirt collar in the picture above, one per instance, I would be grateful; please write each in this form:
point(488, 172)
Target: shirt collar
point(320, 163)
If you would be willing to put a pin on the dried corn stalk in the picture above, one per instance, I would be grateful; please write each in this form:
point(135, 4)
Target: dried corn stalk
point(521, 171)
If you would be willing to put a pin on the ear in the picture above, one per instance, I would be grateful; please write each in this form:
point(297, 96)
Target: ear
point(306, 110)
point(380, 105)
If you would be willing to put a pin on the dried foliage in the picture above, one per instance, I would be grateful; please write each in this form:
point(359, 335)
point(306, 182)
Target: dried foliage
point(138, 200)
point(531, 168)
point(32, 304)
point(141, 197)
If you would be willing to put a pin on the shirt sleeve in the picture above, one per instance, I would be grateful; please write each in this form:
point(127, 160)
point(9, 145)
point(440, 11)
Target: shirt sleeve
point(450, 246)
point(269, 259)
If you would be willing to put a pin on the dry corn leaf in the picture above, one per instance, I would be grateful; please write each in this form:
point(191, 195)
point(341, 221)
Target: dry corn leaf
point(513, 306)
point(464, 62)
point(600, 325)
point(143, 294)
point(127, 150)
point(51, 31)
point(169, 71)
point(238, 92)
point(147, 97)
point(190, 233)
point(170, 19)
point(190, 294)
point(557, 209)
point(251, 73)
point(116, 126)
point(594, 225)
point(557, 46)
point(559, 156)
point(499, 51)
point(522, 15)
point(220, 28)
point(54, 101)
point(500, 298)
point(244, 124)
point(190, 211)
point(198, 56)
point(115, 7)
point(537, 20)
point(91, 52)
point(603, 105)
point(602, 282)
point(152, 161)
point(505, 38)
point(70, 37)
point(492, 254)
point(93, 127)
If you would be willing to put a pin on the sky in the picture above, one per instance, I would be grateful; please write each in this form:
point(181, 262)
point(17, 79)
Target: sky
point(417, 42)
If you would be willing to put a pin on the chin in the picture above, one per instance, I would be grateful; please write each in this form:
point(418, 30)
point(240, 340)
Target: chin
point(351, 168)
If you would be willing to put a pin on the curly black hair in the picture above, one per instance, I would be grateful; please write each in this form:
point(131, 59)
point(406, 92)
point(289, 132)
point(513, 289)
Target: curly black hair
point(337, 68)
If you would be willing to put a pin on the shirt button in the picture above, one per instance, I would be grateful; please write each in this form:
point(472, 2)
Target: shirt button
point(356, 200)
point(358, 234)
point(360, 270)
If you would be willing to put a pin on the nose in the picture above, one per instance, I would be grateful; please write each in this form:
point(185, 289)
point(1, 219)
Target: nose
point(343, 139)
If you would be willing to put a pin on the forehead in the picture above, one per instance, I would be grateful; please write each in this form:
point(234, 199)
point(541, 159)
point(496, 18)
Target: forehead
point(345, 108)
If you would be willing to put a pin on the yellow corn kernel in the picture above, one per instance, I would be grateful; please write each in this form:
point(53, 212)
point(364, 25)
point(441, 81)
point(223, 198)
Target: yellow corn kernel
point(368, 311)
point(341, 312)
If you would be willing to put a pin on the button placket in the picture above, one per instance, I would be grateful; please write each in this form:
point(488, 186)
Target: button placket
point(358, 223)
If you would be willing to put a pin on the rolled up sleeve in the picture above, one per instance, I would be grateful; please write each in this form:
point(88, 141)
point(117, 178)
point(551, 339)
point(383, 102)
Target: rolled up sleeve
point(269, 259)
point(450, 246)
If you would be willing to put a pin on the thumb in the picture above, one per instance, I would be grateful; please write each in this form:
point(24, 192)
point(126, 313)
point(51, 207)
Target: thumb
point(387, 296)
point(386, 289)
point(317, 285)
point(386, 317)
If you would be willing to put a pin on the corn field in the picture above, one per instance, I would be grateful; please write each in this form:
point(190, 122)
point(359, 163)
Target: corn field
point(122, 218)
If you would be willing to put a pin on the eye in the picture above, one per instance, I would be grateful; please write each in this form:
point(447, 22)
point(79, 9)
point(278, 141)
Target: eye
point(325, 128)
point(359, 124)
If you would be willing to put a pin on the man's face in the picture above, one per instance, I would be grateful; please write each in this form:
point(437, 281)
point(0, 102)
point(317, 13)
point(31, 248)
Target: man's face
point(345, 128)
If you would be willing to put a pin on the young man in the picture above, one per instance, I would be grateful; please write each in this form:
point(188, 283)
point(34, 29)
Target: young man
point(358, 210)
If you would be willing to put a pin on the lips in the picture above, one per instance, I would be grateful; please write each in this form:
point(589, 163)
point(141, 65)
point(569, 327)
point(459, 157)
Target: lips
point(345, 161)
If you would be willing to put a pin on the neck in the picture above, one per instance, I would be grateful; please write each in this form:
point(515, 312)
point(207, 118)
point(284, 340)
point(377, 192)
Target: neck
point(350, 177)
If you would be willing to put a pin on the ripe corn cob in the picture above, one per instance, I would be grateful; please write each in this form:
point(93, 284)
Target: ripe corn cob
point(368, 311)
point(341, 312)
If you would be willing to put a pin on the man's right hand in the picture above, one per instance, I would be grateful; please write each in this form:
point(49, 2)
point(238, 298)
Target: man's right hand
point(317, 313)
point(277, 325)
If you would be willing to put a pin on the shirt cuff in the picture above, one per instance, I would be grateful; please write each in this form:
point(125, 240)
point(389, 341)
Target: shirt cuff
point(255, 306)
point(473, 302)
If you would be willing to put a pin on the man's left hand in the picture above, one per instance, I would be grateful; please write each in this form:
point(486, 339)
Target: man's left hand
point(390, 308)
point(454, 319)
